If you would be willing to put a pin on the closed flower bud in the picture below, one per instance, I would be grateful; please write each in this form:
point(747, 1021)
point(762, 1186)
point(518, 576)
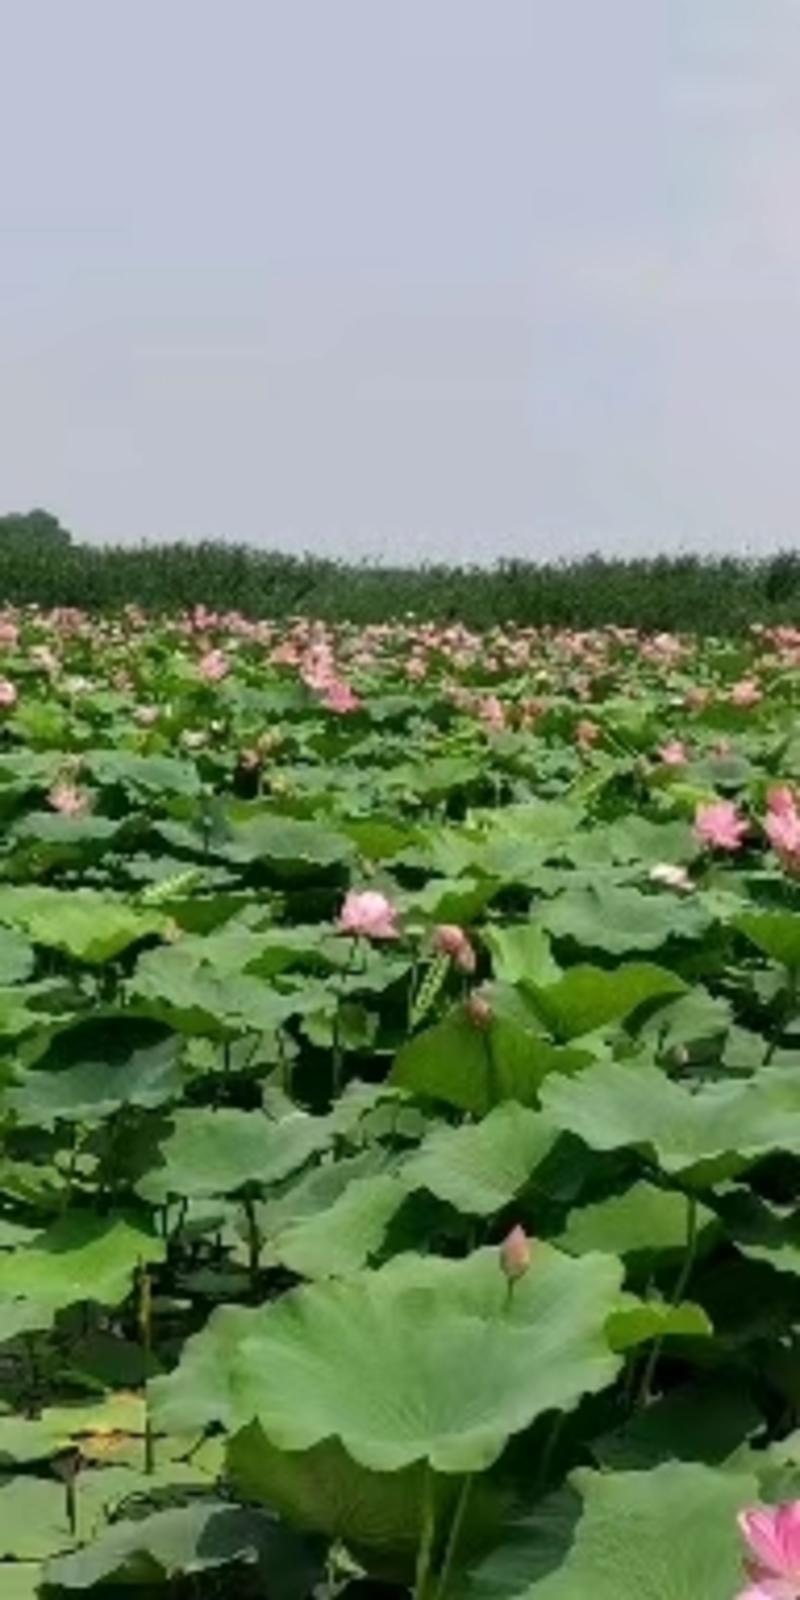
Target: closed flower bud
point(479, 1011)
point(515, 1254)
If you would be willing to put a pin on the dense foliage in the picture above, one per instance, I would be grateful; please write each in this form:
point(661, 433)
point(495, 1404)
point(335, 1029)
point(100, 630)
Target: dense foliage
point(400, 1109)
point(714, 596)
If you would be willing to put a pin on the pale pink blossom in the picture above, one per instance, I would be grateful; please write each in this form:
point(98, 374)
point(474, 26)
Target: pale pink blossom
point(515, 1254)
point(450, 940)
point(479, 1010)
point(720, 825)
point(673, 753)
point(8, 694)
point(781, 800)
point(492, 713)
point(68, 799)
point(9, 634)
point(746, 693)
point(697, 698)
point(773, 1557)
point(782, 827)
point(671, 876)
point(146, 716)
point(587, 733)
point(367, 914)
point(341, 698)
point(213, 666)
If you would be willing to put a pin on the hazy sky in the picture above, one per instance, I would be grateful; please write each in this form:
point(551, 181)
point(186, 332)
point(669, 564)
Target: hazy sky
point(417, 278)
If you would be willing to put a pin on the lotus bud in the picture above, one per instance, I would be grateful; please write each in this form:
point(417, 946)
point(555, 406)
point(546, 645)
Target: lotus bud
point(479, 1011)
point(515, 1254)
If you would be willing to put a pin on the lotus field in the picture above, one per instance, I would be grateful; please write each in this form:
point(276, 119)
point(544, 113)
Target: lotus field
point(400, 1168)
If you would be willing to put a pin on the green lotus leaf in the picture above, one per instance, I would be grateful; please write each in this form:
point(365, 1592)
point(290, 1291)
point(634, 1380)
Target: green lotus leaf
point(425, 1359)
point(669, 1534)
point(202, 1537)
point(208, 1152)
point(615, 1104)
point(82, 1256)
point(90, 1091)
point(474, 1068)
point(642, 1220)
point(480, 1167)
point(636, 1321)
point(622, 920)
point(20, 1580)
point(520, 953)
point(586, 998)
point(347, 1234)
point(775, 933)
point(16, 957)
point(91, 927)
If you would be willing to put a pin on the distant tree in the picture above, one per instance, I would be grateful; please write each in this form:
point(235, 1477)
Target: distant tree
point(32, 528)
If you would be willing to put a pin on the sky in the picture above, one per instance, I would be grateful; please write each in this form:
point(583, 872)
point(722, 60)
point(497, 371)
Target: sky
point(403, 279)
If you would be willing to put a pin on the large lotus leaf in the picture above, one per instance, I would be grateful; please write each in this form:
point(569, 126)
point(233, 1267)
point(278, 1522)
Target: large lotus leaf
point(458, 900)
point(33, 1519)
point(635, 1322)
point(20, 1580)
point(696, 1017)
point(191, 1539)
point(669, 1534)
point(150, 775)
point(80, 1257)
point(426, 1359)
point(197, 998)
point(635, 838)
point(378, 1515)
point(775, 933)
point(343, 1237)
point(708, 1420)
point(587, 997)
point(89, 926)
point(91, 1090)
point(474, 1068)
point(316, 1190)
point(480, 1167)
point(291, 846)
point(614, 1104)
point(622, 920)
point(521, 952)
point(643, 1220)
point(16, 957)
point(208, 1152)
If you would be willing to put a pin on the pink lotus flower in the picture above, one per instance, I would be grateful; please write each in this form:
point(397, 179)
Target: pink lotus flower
point(213, 666)
point(479, 1010)
point(450, 940)
point(146, 716)
point(696, 698)
point(673, 753)
point(341, 698)
point(367, 914)
point(587, 733)
point(492, 713)
point(515, 1254)
point(68, 799)
point(720, 826)
point(782, 827)
point(746, 693)
point(8, 694)
point(781, 800)
point(773, 1537)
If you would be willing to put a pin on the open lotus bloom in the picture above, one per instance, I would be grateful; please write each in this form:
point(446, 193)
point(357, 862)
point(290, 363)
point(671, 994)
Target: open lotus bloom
point(368, 915)
point(773, 1560)
point(720, 826)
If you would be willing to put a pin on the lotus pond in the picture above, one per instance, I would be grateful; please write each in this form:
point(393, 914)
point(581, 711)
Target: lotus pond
point(400, 1075)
